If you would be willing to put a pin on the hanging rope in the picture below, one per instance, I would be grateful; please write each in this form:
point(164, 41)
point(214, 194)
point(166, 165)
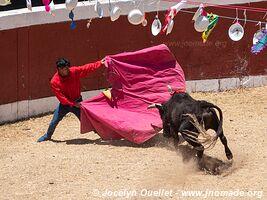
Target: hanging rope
point(234, 7)
point(221, 16)
point(225, 17)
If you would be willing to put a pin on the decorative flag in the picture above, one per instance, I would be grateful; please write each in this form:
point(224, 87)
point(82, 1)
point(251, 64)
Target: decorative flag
point(261, 43)
point(213, 19)
point(29, 4)
point(52, 8)
point(171, 14)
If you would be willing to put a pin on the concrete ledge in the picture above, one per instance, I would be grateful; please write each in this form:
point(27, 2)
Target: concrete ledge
point(29, 108)
point(214, 85)
point(228, 84)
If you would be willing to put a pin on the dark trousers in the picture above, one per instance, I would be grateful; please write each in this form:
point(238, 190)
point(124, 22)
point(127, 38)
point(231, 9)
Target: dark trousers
point(59, 113)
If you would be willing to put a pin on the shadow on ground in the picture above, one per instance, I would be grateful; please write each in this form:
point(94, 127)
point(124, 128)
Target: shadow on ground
point(99, 141)
point(208, 164)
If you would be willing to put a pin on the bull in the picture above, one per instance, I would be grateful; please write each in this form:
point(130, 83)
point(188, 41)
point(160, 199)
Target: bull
point(192, 118)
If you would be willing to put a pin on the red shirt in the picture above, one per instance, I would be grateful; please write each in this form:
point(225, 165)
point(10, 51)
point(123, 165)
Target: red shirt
point(68, 89)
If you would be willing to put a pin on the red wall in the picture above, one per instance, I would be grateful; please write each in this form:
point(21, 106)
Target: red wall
point(28, 54)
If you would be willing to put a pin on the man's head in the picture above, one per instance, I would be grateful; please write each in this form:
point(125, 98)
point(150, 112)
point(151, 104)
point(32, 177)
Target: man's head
point(63, 67)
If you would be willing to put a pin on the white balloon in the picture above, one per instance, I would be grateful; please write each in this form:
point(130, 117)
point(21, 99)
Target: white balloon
point(135, 17)
point(201, 23)
point(71, 4)
point(156, 26)
point(236, 32)
point(115, 13)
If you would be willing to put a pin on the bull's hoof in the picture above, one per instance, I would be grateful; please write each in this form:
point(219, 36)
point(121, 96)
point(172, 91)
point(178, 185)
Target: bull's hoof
point(229, 156)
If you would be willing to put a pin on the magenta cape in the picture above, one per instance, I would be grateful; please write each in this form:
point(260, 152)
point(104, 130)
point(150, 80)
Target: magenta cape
point(138, 79)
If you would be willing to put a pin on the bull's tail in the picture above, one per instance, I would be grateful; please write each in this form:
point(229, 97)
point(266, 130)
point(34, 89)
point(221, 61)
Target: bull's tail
point(205, 104)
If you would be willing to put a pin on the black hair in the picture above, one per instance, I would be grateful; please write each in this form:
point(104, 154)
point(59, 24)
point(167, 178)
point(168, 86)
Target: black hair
point(62, 62)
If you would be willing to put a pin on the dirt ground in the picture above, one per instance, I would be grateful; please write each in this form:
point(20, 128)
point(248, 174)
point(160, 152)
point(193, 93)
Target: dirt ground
point(75, 166)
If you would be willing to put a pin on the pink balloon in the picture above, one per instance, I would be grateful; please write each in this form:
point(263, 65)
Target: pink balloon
point(46, 3)
point(47, 8)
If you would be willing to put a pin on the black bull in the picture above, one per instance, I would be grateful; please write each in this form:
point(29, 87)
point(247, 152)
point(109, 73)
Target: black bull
point(176, 115)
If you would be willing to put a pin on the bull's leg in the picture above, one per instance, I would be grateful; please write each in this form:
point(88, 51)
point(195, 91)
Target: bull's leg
point(166, 130)
point(186, 126)
point(228, 152)
point(212, 122)
point(198, 147)
point(175, 136)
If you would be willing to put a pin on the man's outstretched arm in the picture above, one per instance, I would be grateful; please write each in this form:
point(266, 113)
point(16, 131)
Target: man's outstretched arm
point(86, 69)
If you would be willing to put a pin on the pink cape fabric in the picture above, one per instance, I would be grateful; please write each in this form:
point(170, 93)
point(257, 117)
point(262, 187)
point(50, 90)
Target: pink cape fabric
point(138, 79)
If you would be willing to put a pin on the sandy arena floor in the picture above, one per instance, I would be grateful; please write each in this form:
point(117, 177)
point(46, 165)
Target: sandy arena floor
point(76, 166)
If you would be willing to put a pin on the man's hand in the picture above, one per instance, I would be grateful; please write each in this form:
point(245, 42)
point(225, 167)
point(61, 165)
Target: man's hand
point(77, 105)
point(103, 61)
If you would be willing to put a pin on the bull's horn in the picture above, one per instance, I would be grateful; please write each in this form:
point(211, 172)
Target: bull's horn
point(151, 106)
point(154, 105)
